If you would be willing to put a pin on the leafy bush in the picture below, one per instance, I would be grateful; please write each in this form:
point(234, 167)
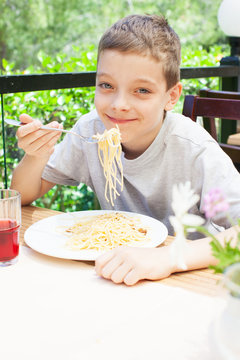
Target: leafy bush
point(195, 57)
point(67, 105)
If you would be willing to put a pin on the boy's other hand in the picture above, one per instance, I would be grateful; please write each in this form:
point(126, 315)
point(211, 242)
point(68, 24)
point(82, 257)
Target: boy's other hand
point(129, 265)
point(35, 141)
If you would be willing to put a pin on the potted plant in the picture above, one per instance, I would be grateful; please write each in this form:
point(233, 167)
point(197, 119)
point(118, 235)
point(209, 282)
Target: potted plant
point(227, 324)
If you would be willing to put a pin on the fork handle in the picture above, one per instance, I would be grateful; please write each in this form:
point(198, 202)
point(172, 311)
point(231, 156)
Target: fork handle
point(44, 127)
point(54, 129)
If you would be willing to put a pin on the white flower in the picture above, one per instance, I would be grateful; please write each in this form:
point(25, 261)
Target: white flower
point(183, 200)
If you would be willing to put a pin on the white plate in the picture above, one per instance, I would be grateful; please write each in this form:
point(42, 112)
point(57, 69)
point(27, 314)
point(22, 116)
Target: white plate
point(43, 237)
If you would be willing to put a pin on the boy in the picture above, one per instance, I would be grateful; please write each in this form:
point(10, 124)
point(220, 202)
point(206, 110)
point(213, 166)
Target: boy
point(137, 84)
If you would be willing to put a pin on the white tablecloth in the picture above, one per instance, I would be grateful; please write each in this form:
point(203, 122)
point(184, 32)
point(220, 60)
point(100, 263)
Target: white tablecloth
point(60, 309)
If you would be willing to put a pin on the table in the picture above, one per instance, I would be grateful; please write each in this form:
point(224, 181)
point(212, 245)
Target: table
point(60, 309)
point(201, 281)
point(234, 139)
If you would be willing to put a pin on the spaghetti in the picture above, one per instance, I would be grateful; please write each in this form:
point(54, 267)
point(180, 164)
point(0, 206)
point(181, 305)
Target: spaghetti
point(105, 232)
point(109, 153)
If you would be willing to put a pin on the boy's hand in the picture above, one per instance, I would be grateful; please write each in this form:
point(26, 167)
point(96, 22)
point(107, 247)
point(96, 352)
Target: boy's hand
point(129, 264)
point(33, 140)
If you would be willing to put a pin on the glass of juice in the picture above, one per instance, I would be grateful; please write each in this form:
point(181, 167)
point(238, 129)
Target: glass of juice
point(10, 221)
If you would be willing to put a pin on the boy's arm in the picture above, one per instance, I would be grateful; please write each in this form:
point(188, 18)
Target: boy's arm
point(27, 179)
point(38, 145)
point(129, 265)
point(199, 252)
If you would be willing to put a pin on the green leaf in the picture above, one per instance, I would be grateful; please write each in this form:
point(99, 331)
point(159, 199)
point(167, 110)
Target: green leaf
point(226, 254)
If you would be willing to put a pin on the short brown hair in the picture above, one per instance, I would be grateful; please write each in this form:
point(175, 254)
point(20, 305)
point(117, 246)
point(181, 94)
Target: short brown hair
point(146, 34)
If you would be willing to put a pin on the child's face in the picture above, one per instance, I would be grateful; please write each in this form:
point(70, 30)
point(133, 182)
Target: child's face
point(131, 92)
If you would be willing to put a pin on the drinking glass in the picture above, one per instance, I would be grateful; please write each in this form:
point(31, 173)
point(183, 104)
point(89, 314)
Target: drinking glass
point(10, 221)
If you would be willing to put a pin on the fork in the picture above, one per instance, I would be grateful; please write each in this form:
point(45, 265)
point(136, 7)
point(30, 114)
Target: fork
point(44, 127)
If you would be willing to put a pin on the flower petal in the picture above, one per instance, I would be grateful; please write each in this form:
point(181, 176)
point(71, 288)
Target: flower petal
point(192, 220)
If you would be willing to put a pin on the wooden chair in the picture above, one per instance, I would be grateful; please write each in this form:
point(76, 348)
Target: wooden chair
point(229, 130)
point(211, 109)
point(219, 94)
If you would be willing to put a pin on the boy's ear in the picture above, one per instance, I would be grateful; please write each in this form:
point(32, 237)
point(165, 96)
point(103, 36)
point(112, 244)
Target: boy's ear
point(174, 94)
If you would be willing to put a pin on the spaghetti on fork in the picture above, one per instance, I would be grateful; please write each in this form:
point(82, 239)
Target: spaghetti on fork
point(109, 153)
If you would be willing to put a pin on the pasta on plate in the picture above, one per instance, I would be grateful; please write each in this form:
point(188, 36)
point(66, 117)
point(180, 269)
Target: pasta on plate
point(105, 232)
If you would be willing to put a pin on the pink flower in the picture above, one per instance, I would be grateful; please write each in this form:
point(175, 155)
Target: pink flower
point(214, 202)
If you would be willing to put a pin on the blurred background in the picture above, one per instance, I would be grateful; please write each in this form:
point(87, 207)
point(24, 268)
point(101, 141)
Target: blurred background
point(28, 27)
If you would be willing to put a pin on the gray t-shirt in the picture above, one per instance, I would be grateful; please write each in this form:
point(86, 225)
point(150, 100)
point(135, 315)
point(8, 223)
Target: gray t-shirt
point(182, 151)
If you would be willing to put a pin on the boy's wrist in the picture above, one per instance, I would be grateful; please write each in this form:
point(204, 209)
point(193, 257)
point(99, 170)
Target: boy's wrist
point(166, 262)
point(197, 254)
point(43, 158)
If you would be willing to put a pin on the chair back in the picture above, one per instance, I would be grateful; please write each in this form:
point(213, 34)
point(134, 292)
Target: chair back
point(211, 109)
point(219, 94)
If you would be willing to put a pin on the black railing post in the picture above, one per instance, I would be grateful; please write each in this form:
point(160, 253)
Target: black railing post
point(230, 84)
point(4, 145)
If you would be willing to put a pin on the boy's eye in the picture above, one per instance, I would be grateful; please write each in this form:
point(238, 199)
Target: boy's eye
point(143, 91)
point(105, 85)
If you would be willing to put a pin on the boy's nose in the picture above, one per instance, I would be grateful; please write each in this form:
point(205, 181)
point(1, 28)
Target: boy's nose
point(120, 102)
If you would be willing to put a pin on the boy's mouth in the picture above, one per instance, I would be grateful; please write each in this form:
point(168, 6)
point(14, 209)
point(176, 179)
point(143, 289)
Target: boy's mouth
point(119, 120)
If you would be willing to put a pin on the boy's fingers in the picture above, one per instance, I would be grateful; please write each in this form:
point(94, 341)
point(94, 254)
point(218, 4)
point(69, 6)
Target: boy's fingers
point(102, 260)
point(35, 125)
point(111, 266)
point(131, 278)
point(31, 144)
point(28, 128)
point(48, 148)
point(25, 118)
point(120, 272)
point(55, 124)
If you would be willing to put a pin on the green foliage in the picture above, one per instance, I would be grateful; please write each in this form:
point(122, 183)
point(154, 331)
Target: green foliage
point(226, 255)
point(69, 198)
point(28, 26)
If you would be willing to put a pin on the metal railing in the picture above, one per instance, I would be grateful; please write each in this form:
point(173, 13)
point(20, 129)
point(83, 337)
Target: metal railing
point(36, 82)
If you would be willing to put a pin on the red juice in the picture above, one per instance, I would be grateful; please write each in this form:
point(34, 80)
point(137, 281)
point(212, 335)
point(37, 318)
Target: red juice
point(9, 244)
